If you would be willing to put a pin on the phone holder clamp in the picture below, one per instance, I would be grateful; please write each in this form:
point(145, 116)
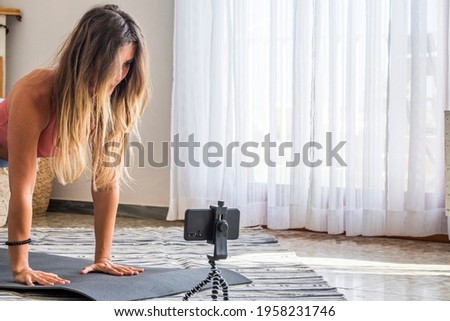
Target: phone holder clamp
point(220, 238)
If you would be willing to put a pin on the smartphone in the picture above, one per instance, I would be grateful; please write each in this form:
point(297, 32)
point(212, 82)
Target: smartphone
point(199, 224)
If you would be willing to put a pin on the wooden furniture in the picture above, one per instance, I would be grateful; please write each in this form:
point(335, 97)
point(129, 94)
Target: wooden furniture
point(2, 78)
point(4, 12)
point(447, 162)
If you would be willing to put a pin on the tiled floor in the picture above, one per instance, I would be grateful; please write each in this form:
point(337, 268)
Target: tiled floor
point(369, 268)
point(362, 268)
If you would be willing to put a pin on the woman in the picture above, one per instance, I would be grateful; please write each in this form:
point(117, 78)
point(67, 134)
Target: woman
point(93, 96)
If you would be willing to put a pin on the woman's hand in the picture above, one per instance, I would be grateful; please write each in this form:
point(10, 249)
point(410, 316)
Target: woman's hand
point(30, 277)
point(106, 266)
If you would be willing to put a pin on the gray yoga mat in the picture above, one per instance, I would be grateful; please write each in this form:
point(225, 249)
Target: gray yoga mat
point(152, 283)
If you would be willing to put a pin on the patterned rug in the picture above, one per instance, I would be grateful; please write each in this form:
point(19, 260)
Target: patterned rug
point(277, 273)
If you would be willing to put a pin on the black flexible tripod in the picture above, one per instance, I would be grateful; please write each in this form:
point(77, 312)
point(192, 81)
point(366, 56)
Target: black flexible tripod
point(218, 282)
point(220, 238)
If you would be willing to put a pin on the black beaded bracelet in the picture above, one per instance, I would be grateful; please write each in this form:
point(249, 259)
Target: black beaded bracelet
point(18, 243)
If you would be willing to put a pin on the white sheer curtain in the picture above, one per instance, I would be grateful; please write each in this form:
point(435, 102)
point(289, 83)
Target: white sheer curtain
point(329, 114)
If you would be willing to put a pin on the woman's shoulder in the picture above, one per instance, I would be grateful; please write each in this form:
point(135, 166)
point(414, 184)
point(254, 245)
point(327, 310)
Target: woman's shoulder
point(33, 92)
point(37, 86)
point(39, 82)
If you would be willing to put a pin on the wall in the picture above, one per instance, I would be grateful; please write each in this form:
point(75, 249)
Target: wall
point(33, 42)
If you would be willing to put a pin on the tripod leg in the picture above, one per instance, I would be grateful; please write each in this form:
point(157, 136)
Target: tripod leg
point(215, 280)
point(215, 286)
point(198, 287)
point(224, 286)
point(218, 282)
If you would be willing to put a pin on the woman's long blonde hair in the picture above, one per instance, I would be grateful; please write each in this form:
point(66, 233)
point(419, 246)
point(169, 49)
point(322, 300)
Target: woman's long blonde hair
point(89, 117)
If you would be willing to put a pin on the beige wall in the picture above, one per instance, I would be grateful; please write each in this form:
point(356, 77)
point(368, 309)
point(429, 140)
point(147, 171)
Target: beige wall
point(32, 43)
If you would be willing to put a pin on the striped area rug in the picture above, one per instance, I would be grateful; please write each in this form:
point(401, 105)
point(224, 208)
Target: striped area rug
point(277, 273)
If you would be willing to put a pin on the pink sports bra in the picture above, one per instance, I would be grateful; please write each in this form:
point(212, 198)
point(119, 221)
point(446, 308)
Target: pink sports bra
point(46, 140)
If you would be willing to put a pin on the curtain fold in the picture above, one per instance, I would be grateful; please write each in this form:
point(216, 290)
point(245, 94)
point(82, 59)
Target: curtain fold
point(325, 115)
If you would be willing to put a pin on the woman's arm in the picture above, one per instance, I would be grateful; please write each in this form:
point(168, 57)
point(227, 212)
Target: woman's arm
point(106, 201)
point(25, 124)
